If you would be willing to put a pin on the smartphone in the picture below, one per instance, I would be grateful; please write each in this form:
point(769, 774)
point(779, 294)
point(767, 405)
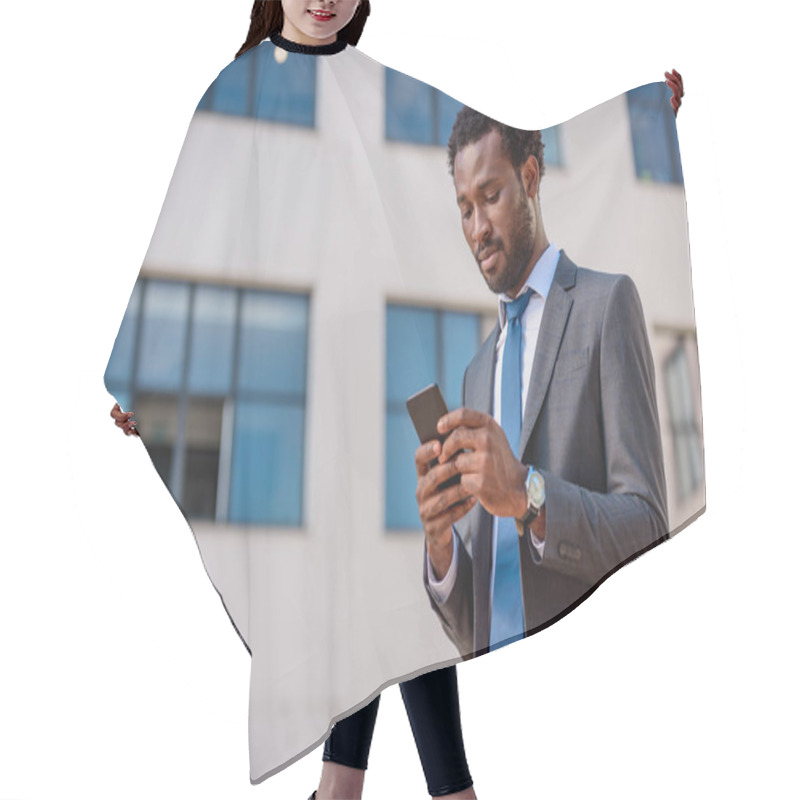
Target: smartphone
point(426, 408)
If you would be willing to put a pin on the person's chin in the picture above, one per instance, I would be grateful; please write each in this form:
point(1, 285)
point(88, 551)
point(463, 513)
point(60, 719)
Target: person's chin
point(493, 277)
point(317, 30)
point(495, 280)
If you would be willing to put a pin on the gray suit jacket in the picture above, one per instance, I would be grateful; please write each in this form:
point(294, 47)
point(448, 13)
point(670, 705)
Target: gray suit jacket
point(591, 428)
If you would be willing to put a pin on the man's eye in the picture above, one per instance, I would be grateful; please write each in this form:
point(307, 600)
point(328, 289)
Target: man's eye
point(493, 198)
point(466, 214)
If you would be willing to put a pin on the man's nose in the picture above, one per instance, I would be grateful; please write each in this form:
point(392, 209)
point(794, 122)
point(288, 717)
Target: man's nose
point(481, 227)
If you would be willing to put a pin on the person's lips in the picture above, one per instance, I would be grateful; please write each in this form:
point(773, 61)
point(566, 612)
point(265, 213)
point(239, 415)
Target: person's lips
point(322, 16)
point(488, 260)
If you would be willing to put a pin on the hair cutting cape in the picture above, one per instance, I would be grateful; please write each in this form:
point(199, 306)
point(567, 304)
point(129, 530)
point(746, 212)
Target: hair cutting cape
point(307, 275)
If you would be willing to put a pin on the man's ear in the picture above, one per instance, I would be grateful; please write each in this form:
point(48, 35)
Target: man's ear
point(530, 176)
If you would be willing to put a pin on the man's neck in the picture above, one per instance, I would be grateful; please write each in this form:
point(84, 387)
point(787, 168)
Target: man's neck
point(538, 250)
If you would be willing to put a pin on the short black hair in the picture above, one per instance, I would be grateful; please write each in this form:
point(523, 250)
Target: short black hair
point(518, 144)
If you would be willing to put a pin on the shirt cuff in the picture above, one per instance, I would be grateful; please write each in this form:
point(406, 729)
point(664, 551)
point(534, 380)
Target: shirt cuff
point(538, 544)
point(441, 589)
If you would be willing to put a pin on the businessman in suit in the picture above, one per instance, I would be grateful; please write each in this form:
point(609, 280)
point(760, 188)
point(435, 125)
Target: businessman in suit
point(557, 443)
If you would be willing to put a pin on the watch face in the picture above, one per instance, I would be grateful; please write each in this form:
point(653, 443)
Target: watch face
point(536, 489)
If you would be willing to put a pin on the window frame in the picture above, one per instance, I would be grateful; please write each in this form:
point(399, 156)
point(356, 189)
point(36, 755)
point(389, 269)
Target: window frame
point(639, 104)
point(131, 388)
point(396, 408)
point(256, 69)
point(434, 137)
point(683, 422)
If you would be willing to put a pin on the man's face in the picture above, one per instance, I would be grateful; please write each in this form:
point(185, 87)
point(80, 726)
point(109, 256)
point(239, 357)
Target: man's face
point(496, 215)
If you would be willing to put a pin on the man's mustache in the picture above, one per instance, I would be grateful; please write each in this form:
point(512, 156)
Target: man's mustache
point(488, 247)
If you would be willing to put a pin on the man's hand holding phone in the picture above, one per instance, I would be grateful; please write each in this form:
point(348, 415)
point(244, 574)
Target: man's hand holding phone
point(441, 499)
point(439, 507)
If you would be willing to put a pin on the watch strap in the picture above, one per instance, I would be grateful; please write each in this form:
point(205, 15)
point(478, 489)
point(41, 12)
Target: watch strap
point(532, 512)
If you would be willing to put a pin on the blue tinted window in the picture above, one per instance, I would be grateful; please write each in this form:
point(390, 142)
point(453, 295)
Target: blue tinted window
point(552, 146)
point(411, 351)
point(120, 364)
point(122, 396)
point(257, 85)
point(163, 337)
point(409, 109)
point(232, 88)
point(274, 337)
point(207, 100)
point(401, 472)
point(267, 466)
point(417, 112)
point(217, 378)
point(654, 135)
point(447, 110)
point(460, 337)
point(683, 423)
point(423, 346)
point(285, 92)
point(202, 429)
point(212, 337)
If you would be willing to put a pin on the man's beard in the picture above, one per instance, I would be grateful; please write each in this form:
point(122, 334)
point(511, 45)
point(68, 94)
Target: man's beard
point(519, 252)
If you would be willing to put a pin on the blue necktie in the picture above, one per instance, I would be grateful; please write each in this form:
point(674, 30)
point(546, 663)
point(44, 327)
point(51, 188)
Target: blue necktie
point(507, 616)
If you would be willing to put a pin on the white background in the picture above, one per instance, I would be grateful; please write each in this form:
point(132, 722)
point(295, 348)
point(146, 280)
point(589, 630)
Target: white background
point(120, 675)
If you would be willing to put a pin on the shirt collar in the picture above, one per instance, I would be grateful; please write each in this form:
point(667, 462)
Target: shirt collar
point(540, 279)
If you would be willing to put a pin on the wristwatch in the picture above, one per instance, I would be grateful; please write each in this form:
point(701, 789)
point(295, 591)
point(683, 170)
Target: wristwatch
point(534, 488)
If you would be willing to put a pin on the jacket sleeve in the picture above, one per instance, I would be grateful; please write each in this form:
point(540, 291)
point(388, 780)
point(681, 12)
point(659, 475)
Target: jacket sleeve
point(589, 533)
point(456, 613)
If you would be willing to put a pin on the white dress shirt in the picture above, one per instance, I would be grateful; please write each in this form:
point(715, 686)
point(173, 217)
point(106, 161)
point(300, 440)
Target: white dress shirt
point(540, 279)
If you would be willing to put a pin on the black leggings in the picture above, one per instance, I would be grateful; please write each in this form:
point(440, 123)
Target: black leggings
point(432, 707)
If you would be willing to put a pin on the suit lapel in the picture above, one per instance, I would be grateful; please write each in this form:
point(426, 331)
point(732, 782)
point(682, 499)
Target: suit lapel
point(483, 383)
point(554, 321)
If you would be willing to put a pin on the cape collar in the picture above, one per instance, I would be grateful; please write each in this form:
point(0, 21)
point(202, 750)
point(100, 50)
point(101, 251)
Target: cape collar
point(309, 49)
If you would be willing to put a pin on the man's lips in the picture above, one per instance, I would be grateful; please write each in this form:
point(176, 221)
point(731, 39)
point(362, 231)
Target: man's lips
point(487, 261)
